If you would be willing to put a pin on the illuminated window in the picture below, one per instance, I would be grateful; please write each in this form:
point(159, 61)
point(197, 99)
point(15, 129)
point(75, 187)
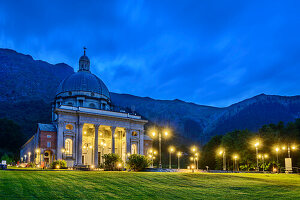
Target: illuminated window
point(48, 136)
point(133, 149)
point(48, 144)
point(134, 133)
point(69, 127)
point(68, 146)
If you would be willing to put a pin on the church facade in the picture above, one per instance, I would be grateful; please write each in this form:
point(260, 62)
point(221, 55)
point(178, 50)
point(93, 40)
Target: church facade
point(85, 125)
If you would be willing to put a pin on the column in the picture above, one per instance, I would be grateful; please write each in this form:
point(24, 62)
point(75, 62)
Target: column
point(113, 129)
point(128, 137)
point(141, 150)
point(79, 146)
point(60, 137)
point(96, 145)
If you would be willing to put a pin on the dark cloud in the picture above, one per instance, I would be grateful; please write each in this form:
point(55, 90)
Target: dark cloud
point(208, 52)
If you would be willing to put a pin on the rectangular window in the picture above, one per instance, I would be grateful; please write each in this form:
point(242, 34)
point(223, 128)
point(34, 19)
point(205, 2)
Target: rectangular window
point(48, 136)
point(48, 144)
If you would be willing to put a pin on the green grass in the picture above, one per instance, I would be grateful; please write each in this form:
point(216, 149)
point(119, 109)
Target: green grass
point(145, 185)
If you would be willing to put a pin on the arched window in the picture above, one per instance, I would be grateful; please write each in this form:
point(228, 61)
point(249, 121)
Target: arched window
point(68, 147)
point(92, 105)
point(69, 127)
point(134, 133)
point(133, 149)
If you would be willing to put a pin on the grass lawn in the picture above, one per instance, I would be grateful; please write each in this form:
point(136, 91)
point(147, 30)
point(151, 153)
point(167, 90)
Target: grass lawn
point(145, 185)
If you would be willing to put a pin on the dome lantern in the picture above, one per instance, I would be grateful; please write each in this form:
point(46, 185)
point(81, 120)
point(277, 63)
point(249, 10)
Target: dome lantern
point(84, 62)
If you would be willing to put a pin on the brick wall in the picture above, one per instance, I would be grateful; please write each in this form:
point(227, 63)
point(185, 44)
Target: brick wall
point(43, 139)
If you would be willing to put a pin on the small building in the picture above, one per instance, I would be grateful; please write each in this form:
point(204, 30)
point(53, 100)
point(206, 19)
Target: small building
point(85, 125)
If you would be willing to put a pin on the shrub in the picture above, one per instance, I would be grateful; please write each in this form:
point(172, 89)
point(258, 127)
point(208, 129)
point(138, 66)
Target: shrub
point(59, 164)
point(110, 161)
point(137, 162)
point(31, 164)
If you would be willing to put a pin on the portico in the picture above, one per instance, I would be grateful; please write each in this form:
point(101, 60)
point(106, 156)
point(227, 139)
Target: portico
point(87, 134)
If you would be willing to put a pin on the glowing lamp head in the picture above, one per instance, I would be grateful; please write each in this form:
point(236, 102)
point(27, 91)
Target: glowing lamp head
point(293, 147)
point(155, 152)
point(153, 134)
point(104, 144)
point(84, 132)
point(119, 165)
point(179, 154)
point(193, 166)
point(101, 143)
point(171, 149)
point(221, 152)
point(166, 133)
point(191, 158)
point(92, 166)
point(283, 148)
point(91, 146)
point(57, 166)
point(128, 154)
point(266, 155)
point(62, 150)
point(256, 144)
point(277, 149)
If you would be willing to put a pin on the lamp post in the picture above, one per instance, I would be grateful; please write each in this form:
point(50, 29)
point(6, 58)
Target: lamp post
point(222, 152)
point(178, 156)
point(25, 157)
point(263, 157)
point(289, 149)
point(29, 159)
point(256, 148)
point(38, 154)
point(171, 150)
point(159, 141)
point(235, 157)
point(277, 151)
point(196, 158)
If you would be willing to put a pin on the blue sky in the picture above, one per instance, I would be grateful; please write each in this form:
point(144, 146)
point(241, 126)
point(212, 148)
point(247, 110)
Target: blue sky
point(208, 52)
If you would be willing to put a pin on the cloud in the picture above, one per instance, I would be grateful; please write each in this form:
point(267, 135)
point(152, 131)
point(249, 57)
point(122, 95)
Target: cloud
point(208, 52)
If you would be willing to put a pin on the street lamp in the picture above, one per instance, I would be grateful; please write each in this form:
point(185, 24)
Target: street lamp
point(166, 134)
point(235, 157)
point(171, 150)
point(263, 157)
point(38, 152)
point(222, 152)
point(178, 156)
point(289, 149)
point(25, 157)
point(256, 148)
point(196, 157)
point(29, 159)
point(277, 151)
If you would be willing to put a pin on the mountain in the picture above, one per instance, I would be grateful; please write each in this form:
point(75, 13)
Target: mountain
point(28, 86)
point(24, 78)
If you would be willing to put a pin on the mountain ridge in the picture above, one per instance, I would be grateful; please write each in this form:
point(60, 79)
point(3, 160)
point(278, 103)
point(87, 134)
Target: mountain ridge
point(25, 80)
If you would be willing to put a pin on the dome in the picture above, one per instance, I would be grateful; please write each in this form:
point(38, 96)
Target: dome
point(83, 81)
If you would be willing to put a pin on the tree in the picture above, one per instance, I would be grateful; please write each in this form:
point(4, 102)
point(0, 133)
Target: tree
point(11, 137)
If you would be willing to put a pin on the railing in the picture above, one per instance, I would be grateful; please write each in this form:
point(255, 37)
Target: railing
point(101, 112)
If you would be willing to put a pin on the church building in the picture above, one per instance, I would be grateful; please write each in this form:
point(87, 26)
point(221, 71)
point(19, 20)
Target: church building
point(85, 125)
